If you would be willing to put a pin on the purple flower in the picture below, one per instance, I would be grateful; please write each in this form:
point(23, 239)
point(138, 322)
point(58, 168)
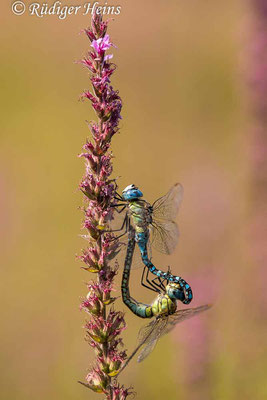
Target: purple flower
point(108, 57)
point(102, 44)
point(119, 392)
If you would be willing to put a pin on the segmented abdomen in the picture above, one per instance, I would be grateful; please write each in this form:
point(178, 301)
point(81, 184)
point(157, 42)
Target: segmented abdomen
point(142, 240)
point(140, 309)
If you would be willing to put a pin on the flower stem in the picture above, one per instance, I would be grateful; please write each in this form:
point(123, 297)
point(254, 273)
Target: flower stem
point(105, 325)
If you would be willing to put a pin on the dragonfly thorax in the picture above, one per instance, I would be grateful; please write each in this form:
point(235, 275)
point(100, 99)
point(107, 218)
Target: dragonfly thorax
point(163, 305)
point(141, 215)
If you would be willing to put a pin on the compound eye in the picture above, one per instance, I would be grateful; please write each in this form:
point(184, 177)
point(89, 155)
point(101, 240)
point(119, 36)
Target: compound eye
point(129, 187)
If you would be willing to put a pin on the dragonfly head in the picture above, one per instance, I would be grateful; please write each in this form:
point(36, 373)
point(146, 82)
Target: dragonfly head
point(131, 192)
point(173, 290)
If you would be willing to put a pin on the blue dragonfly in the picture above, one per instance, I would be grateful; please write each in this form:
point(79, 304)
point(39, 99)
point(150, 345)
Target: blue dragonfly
point(163, 309)
point(153, 225)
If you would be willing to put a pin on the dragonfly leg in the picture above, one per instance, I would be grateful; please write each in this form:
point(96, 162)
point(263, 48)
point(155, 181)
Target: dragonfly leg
point(151, 286)
point(124, 224)
point(152, 283)
point(159, 285)
point(118, 205)
point(160, 282)
point(118, 196)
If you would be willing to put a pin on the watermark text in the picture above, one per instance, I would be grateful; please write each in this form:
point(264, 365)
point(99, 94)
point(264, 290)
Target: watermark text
point(62, 11)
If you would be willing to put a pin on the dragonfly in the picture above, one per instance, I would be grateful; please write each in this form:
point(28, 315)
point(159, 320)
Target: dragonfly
point(153, 225)
point(163, 309)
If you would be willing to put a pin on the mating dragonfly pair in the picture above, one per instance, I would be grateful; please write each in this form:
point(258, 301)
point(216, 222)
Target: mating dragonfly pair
point(153, 225)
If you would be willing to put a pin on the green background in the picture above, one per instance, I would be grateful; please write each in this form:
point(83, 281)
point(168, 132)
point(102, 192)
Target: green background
point(182, 69)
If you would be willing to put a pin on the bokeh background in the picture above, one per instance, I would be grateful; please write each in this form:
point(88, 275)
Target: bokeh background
point(192, 76)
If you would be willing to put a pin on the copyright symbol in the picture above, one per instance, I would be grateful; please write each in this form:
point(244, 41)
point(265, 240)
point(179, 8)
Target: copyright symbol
point(18, 8)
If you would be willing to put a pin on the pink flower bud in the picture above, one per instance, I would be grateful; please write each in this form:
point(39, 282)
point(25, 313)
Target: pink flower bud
point(97, 380)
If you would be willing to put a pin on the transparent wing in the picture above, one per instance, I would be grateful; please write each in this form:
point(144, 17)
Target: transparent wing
point(164, 236)
point(119, 215)
point(166, 207)
point(145, 332)
point(149, 335)
point(182, 315)
point(164, 231)
point(143, 337)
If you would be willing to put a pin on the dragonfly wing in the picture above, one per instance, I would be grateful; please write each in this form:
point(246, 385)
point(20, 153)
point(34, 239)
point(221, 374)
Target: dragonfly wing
point(164, 231)
point(118, 218)
point(182, 315)
point(166, 207)
point(150, 335)
point(143, 337)
point(146, 331)
point(149, 347)
point(137, 259)
point(164, 236)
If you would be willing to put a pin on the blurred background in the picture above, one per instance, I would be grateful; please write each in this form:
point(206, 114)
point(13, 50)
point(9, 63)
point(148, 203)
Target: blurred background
point(193, 79)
